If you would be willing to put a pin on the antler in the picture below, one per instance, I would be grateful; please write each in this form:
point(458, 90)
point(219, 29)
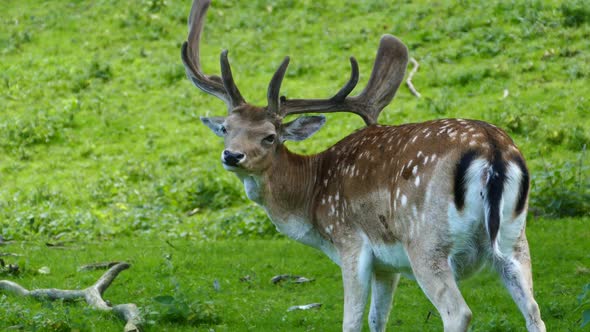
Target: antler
point(224, 88)
point(388, 73)
point(274, 88)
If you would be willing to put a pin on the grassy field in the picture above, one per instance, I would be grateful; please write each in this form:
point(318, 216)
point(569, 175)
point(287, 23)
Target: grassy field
point(100, 144)
point(246, 300)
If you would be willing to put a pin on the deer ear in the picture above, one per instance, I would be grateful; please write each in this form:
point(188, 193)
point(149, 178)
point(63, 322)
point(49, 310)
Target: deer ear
point(215, 123)
point(302, 127)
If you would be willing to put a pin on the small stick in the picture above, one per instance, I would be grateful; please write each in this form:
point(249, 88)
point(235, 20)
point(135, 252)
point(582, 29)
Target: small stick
point(409, 83)
point(295, 279)
point(2, 254)
point(93, 296)
point(97, 266)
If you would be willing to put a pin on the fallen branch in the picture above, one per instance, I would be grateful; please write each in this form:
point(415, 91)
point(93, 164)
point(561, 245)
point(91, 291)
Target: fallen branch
point(93, 296)
point(97, 266)
point(409, 83)
point(295, 279)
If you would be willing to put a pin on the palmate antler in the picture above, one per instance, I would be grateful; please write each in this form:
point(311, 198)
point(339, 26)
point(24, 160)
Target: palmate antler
point(386, 77)
point(388, 73)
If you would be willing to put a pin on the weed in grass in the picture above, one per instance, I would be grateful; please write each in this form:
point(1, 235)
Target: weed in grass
point(45, 127)
point(212, 193)
point(575, 13)
point(15, 42)
point(577, 140)
point(153, 6)
point(173, 74)
point(518, 121)
point(180, 310)
point(562, 189)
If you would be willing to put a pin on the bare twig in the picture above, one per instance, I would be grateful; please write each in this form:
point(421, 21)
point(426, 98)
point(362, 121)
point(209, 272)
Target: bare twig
point(409, 83)
point(93, 296)
point(2, 254)
point(305, 306)
point(295, 279)
point(97, 266)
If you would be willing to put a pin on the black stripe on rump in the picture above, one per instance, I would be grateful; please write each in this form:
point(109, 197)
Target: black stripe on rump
point(460, 174)
point(523, 192)
point(495, 189)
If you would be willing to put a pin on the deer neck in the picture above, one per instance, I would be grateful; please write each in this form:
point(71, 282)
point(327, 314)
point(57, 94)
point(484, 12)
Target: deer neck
point(285, 189)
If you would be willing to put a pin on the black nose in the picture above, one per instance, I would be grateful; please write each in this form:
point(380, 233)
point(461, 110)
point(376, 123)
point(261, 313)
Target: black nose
point(232, 158)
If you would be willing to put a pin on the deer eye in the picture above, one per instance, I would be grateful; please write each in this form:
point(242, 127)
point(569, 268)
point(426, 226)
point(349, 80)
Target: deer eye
point(223, 130)
point(269, 139)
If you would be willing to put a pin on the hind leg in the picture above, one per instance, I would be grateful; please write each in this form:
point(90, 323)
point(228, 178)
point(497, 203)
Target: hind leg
point(434, 275)
point(515, 271)
point(382, 289)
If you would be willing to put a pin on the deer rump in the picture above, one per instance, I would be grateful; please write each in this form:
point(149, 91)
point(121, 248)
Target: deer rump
point(481, 209)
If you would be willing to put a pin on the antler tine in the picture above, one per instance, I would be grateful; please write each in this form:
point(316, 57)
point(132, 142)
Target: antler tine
point(274, 87)
point(225, 89)
point(386, 77)
point(336, 103)
point(228, 80)
point(354, 79)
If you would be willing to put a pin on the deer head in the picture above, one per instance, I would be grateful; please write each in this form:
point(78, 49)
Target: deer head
point(252, 133)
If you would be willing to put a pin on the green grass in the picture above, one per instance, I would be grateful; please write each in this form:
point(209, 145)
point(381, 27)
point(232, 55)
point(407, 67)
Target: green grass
point(100, 143)
point(99, 129)
point(187, 271)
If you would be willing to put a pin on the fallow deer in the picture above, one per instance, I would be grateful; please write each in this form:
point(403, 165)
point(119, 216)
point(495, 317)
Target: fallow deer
point(433, 200)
